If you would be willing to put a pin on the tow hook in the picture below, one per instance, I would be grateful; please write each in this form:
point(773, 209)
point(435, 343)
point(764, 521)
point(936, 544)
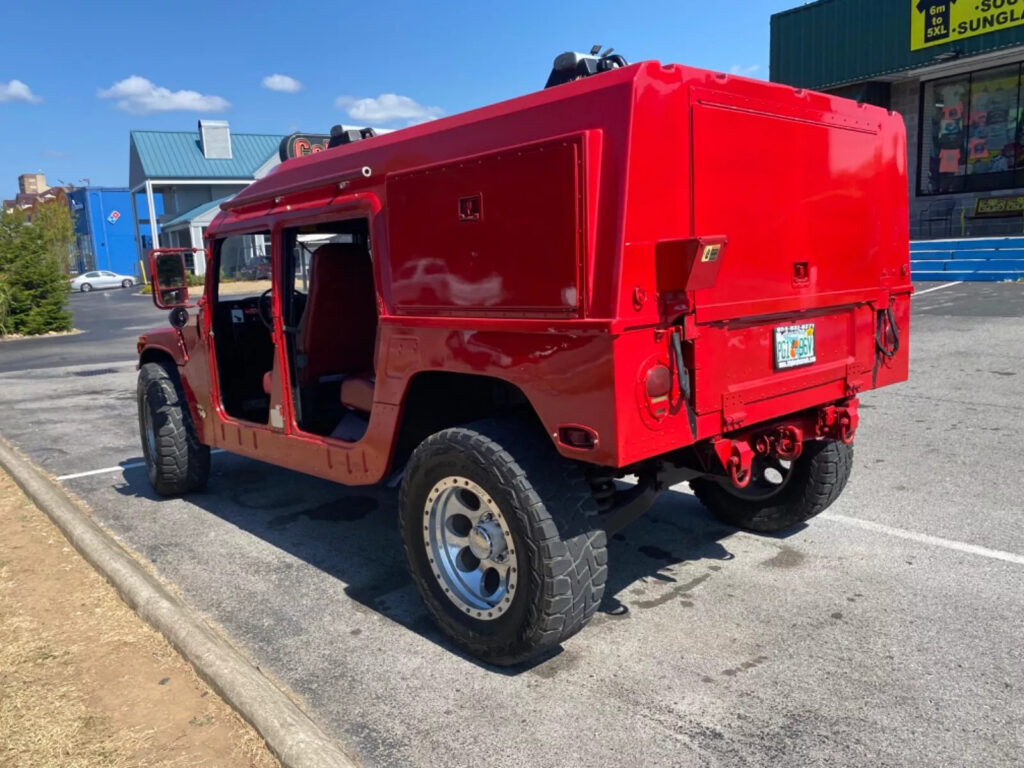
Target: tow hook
point(737, 457)
point(786, 443)
point(839, 422)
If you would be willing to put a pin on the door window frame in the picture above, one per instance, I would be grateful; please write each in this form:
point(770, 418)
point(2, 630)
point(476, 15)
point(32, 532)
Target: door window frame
point(361, 205)
point(211, 298)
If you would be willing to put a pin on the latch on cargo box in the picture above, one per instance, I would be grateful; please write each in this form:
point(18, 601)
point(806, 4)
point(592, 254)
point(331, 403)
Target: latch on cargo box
point(688, 265)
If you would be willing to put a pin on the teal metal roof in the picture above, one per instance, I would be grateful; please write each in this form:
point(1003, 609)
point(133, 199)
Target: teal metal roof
point(833, 42)
point(195, 213)
point(177, 155)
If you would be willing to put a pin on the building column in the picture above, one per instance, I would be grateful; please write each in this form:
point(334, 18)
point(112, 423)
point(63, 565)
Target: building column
point(154, 228)
point(138, 236)
point(196, 239)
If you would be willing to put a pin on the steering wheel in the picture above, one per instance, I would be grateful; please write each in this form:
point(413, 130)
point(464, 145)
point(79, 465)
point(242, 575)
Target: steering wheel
point(264, 307)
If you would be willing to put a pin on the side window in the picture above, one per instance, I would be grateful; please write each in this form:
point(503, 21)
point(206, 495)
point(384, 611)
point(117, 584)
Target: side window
point(240, 255)
point(93, 275)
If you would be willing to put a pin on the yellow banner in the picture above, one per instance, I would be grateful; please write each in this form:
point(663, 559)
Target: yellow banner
point(999, 206)
point(933, 22)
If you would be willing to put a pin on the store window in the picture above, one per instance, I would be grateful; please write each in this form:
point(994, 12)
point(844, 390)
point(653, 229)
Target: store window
point(971, 132)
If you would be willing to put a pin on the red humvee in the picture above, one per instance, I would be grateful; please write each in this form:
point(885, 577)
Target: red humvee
point(654, 273)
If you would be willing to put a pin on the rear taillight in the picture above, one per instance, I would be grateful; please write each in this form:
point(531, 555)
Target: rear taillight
point(658, 387)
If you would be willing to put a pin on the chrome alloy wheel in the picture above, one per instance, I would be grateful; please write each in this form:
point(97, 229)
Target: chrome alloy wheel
point(470, 548)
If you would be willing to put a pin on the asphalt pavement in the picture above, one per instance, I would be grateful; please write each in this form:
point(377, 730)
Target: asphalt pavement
point(887, 632)
point(109, 320)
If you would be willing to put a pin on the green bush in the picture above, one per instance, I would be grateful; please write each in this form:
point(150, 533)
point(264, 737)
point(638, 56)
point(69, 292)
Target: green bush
point(33, 284)
point(5, 306)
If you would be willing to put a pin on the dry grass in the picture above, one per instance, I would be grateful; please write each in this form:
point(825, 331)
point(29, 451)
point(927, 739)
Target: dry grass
point(20, 336)
point(85, 683)
point(243, 287)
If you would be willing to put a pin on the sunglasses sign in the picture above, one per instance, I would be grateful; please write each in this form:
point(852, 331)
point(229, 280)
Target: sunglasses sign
point(933, 22)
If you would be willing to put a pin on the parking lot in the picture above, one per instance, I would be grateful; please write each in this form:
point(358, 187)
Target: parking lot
point(887, 632)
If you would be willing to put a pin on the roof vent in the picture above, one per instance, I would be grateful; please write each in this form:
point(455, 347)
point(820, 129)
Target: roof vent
point(215, 139)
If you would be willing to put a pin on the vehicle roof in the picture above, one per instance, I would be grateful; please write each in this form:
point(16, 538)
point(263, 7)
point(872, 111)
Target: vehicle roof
point(321, 166)
point(403, 149)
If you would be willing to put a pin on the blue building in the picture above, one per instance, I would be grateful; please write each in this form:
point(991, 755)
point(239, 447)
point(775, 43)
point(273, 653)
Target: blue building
point(105, 229)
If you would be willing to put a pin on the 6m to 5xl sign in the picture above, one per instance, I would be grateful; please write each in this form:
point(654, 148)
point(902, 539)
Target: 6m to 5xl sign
point(933, 22)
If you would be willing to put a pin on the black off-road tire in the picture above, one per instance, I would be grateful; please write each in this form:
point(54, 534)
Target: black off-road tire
point(175, 459)
point(552, 515)
point(818, 477)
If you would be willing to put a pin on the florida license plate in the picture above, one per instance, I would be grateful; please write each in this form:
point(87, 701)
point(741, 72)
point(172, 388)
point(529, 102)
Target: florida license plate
point(794, 345)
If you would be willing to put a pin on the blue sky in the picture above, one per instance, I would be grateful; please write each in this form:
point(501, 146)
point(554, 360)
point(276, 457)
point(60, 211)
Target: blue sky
point(76, 77)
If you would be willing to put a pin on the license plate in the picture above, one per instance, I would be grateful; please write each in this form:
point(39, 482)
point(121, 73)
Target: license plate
point(794, 345)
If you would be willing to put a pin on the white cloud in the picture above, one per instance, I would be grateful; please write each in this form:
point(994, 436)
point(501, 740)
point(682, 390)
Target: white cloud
point(281, 83)
point(748, 71)
point(387, 108)
point(139, 96)
point(16, 90)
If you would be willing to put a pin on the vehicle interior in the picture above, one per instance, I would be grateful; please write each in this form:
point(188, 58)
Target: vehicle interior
point(330, 323)
point(243, 342)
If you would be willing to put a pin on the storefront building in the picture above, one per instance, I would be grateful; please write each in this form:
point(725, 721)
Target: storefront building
point(105, 230)
point(953, 69)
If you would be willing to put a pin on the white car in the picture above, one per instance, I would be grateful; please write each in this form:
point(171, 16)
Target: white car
point(101, 279)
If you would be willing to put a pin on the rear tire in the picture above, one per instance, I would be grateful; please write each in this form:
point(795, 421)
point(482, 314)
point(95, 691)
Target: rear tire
point(127, 283)
point(86, 287)
point(816, 479)
point(543, 523)
point(176, 461)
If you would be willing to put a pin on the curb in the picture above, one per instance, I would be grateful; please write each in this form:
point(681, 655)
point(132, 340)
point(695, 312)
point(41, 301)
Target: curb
point(289, 733)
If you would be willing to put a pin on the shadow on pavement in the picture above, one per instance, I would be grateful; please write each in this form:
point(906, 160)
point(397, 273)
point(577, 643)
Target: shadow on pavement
point(351, 533)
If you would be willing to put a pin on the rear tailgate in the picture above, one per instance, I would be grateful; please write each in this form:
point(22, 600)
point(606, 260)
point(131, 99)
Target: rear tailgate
point(811, 193)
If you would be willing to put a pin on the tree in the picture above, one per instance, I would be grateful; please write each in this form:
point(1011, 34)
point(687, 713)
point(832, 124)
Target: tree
point(33, 281)
point(55, 221)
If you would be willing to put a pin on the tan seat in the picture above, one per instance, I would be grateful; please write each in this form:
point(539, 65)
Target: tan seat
point(357, 393)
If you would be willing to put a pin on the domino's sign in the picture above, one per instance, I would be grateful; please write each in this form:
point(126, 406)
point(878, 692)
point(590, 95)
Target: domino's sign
point(113, 217)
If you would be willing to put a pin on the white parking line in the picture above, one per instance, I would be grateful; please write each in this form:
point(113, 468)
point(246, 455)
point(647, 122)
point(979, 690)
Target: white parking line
point(118, 468)
point(938, 288)
point(900, 533)
point(924, 538)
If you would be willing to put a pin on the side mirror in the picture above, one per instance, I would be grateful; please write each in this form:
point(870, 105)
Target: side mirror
point(169, 277)
point(178, 317)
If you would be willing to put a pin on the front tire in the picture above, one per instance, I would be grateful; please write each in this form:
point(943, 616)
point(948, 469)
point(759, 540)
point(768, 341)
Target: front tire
point(86, 287)
point(810, 485)
point(176, 461)
point(500, 535)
